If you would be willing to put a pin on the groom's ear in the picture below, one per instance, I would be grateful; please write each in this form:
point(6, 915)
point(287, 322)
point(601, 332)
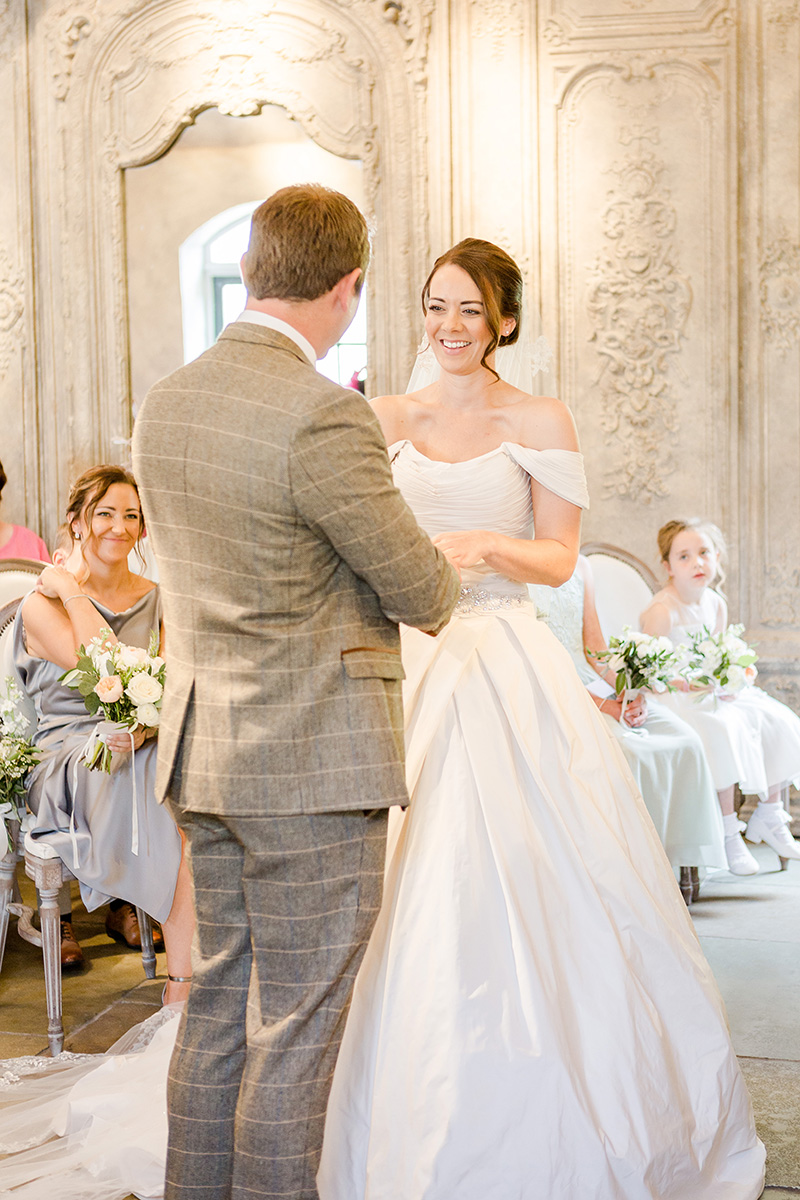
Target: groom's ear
point(347, 287)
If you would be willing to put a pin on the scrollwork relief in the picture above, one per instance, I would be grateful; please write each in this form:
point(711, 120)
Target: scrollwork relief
point(6, 30)
point(11, 309)
point(780, 294)
point(782, 12)
point(638, 306)
point(781, 597)
point(554, 33)
point(783, 687)
point(67, 29)
point(493, 20)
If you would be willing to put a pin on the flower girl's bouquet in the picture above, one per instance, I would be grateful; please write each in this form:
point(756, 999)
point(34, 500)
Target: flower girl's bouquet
point(18, 756)
point(123, 683)
point(723, 661)
point(639, 661)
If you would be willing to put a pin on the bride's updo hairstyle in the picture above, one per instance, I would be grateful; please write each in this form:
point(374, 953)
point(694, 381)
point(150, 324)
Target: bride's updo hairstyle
point(89, 489)
point(667, 534)
point(499, 281)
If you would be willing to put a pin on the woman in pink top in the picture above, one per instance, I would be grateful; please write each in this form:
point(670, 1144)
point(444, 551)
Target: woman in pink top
point(18, 542)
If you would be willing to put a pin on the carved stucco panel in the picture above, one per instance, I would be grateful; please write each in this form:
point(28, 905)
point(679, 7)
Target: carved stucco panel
point(122, 80)
point(587, 20)
point(779, 293)
point(641, 268)
point(11, 309)
point(638, 305)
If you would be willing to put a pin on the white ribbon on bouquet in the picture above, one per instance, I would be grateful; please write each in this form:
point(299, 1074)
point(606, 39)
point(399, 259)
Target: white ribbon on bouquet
point(100, 734)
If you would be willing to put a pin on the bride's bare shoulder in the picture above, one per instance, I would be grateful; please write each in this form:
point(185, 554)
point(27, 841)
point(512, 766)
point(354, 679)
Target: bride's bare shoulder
point(399, 415)
point(544, 422)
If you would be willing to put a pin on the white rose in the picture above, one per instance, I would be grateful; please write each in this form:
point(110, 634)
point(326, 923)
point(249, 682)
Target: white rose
point(144, 689)
point(148, 715)
point(616, 662)
point(154, 663)
point(100, 656)
point(131, 656)
point(736, 679)
point(664, 643)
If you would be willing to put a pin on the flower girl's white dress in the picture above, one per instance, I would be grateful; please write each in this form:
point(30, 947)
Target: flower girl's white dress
point(534, 1018)
point(752, 740)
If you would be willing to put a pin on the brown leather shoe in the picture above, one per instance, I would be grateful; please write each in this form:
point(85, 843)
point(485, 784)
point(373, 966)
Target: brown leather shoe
point(71, 954)
point(122, 924)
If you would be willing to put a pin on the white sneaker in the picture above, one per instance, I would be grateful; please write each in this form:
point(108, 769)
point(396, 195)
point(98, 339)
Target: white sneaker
point(740, 860)
point(769, 823)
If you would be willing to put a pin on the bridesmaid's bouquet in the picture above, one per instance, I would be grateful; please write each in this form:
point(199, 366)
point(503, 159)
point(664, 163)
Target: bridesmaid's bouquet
point(18, 756)
point(722, 661)
point(123, 683)
point(639, 661)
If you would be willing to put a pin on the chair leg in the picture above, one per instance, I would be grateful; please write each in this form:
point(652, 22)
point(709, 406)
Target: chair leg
point(8, 866)
point(686, 885)
point(695, 878)
point(146, 934)
point(48, 876)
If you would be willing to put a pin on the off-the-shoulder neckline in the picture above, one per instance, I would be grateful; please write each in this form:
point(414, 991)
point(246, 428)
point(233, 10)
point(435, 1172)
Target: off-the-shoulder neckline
point(398, 445)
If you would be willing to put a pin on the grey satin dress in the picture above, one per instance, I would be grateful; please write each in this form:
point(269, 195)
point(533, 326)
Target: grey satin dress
point(103, 804)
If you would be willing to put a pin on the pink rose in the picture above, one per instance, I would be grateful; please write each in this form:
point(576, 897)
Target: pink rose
point(109, 689)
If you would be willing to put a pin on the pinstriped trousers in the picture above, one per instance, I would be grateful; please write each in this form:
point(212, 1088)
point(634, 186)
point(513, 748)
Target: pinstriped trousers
point(285, 906)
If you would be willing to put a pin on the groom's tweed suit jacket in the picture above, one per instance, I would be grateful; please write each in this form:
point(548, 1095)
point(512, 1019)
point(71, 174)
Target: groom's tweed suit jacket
point(286, 558)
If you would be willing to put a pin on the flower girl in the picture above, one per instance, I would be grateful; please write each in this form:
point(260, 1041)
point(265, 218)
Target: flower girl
point(750, 739)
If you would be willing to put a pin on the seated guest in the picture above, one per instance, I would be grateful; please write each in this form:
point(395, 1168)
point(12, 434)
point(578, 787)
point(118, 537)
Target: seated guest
point(668, 764)
point(122, 922)
point(87, 815)
point(15, 540)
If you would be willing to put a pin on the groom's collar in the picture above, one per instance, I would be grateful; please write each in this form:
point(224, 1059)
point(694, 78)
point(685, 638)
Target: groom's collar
point(270, 322)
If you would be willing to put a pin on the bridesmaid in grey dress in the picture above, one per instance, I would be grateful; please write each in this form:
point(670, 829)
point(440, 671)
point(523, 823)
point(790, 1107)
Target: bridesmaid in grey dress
point(66, 610)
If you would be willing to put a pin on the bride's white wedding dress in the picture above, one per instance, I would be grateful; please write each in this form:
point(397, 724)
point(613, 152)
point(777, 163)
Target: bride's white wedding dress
point(534, 1018)
point(89, 1127)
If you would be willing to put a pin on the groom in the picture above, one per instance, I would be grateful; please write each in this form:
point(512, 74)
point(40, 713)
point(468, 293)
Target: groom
point(287, 558)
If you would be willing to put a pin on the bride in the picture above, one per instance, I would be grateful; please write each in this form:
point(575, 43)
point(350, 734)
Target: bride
point(534, 1017)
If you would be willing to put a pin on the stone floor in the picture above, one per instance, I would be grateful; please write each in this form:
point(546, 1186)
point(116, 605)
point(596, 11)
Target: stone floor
point(750, 933)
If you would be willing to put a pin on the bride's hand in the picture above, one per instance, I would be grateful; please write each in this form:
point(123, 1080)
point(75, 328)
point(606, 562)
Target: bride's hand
point(465, 549)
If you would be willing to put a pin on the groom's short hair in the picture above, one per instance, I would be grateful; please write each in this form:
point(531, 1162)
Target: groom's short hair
point(303, 240)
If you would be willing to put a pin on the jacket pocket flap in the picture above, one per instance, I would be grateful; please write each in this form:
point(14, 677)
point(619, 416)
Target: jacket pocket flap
point(364, 662)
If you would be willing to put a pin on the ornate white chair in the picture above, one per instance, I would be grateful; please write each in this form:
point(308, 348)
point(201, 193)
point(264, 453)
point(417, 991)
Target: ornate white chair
point(17, 576)
point(49, 873)
point(623, 586)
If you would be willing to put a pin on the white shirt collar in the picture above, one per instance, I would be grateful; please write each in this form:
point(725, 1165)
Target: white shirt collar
point(262, 318)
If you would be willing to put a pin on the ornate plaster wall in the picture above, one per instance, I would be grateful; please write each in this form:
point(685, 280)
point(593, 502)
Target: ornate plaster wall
point(641, 161)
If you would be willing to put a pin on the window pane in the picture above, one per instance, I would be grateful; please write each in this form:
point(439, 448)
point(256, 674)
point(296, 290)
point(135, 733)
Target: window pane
point(230, 297)
point(231, 244)
point(329, 365)
point(351, 359)
point(358, 329)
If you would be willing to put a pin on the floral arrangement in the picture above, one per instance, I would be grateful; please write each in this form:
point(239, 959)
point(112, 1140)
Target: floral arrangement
point(124, 683)
point(18, 756)
point(722, 661)
point(639, 661)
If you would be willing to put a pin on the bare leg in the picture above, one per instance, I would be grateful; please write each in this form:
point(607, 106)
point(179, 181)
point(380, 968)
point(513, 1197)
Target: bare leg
point(178, 931)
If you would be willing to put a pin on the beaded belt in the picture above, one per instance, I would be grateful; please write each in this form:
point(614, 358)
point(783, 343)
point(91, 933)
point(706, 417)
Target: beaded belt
point(478, 600)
